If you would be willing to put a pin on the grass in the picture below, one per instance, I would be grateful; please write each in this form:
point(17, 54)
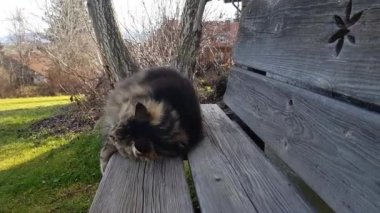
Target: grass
point(41, 172)
point(34, 102)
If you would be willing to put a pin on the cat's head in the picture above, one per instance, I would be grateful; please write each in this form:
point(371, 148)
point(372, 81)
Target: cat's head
point(154, 130)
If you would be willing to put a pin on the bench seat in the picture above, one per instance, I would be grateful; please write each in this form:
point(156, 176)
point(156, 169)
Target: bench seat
point(230, 173)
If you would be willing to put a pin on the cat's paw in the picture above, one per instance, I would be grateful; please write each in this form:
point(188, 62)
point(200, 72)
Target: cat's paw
point(103, 165)
point(150, 156)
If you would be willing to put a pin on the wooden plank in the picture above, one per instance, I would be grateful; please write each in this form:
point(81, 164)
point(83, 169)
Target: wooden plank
point(231, 174)
point(290, 39)
point(130, 186)
point(333, 146)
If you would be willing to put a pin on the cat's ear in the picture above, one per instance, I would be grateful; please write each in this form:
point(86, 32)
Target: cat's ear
point(141, 113)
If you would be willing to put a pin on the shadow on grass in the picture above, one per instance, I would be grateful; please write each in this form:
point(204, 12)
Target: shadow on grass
point(15, 125)
point(25, 117)
point(63, 179)
point(22, 110)
point(35, 125)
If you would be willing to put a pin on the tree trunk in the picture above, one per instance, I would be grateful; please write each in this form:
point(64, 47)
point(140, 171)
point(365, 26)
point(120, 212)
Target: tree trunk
point(117, 60)
point(190, 37)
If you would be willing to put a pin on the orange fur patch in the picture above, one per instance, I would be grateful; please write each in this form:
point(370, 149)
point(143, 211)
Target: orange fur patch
point(155, 109)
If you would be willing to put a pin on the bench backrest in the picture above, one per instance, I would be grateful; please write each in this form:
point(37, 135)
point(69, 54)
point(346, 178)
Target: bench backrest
point(307, 81)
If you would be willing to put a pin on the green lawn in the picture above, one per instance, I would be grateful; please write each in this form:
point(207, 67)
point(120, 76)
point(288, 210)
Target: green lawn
point(40, 172)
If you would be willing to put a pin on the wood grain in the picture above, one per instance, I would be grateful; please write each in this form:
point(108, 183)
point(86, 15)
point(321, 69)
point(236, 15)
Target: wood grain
point(130, 186)
point(231, 174)
point(333, 146)
point(290, 39)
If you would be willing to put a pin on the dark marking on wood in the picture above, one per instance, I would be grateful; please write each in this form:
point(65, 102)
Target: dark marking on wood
point(339, 22)
point(351, 39)
point(343, 28)
point(333, 146)
point(131, 186)
point(339, 46)
point(354, 19)
point(338, 35)
point(348, 10)
point(231, 174)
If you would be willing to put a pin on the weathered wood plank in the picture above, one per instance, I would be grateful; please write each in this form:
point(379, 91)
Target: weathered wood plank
point(232, 175)
point(333, 146)
point(290, 39)
point(130, 186)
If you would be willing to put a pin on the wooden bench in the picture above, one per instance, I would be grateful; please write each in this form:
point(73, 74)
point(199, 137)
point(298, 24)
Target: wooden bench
point(318, 111)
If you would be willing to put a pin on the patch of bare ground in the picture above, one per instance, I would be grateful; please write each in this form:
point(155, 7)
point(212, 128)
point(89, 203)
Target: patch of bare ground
point(73, 118)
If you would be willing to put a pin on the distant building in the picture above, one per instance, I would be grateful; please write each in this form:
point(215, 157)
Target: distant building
point(35, 71)
point(218, 40)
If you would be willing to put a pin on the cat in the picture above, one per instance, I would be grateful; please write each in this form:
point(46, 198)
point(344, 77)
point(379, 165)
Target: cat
point(153, 114)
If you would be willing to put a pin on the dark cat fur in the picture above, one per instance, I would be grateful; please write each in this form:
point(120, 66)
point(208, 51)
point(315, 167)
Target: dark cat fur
point(153, 114)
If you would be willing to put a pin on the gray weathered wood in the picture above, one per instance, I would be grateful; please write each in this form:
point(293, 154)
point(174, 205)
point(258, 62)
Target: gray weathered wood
point(130, 186)
point(290, 39)
point(232, 175)
point(333, 146)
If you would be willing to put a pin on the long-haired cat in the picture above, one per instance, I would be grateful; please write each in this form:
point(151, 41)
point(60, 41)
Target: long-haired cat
point(153, 114)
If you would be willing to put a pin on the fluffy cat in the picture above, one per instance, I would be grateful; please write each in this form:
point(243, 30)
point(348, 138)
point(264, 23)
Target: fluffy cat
point(153, 114)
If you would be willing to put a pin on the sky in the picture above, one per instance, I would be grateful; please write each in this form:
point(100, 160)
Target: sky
point(130, 13)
